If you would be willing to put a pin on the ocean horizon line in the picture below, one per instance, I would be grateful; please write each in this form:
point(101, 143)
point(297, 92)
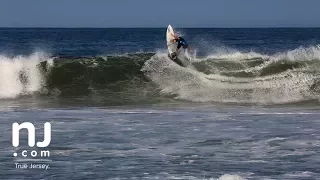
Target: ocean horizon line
point(157, 27)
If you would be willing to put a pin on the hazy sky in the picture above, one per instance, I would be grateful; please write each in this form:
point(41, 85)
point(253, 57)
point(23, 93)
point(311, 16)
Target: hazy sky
point(159, 13)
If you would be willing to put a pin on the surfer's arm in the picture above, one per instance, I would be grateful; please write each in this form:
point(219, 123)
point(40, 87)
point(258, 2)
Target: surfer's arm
point(175, 40)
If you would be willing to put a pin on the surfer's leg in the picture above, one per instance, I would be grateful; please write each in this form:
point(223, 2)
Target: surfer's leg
point(174, 57)
point(179, 46)
point(179, 62)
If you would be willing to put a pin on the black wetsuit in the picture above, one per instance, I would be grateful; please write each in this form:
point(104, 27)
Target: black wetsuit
point(181, 43)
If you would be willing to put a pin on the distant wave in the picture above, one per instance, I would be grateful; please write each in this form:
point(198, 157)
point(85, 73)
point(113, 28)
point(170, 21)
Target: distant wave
point(237, 77)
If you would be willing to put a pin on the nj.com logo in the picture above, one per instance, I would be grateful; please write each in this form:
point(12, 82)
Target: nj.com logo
point(31, 139)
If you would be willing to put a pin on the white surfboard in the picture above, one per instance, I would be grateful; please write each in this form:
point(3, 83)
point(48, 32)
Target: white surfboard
point(172, 46)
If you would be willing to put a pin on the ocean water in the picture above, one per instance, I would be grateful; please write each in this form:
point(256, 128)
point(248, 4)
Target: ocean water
point(246, 106)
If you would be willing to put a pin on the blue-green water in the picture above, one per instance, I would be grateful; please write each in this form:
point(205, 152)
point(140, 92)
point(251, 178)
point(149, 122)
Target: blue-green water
point(246, 107)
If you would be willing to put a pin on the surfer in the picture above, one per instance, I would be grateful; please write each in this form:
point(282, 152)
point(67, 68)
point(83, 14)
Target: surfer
point(181, 43)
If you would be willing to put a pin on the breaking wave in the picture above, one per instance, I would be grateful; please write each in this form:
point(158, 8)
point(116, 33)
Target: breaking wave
point(233, 77)
point(20, 75)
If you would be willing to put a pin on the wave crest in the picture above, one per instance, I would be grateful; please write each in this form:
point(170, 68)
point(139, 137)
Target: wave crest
point(234, 77)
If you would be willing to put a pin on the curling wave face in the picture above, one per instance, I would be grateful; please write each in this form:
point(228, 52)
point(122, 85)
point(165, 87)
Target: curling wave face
point(140, 78)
